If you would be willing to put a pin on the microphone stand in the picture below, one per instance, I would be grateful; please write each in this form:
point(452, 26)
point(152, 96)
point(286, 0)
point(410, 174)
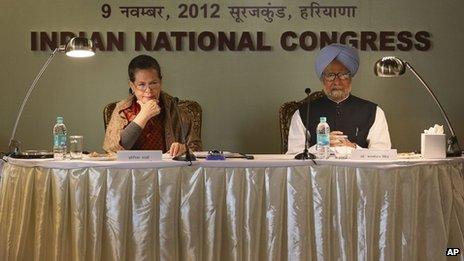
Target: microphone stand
point(188, 155)
point(306, 154)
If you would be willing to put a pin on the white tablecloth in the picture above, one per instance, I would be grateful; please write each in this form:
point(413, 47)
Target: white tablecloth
point(270, 208)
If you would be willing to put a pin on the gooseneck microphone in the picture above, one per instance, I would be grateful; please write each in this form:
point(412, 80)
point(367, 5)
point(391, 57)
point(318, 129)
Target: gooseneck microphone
point(187, 156)
point(305, 154)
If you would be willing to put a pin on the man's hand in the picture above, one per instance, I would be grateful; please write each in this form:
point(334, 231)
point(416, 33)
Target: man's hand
point(177, 149)
point(148, 110)
point(338, 139)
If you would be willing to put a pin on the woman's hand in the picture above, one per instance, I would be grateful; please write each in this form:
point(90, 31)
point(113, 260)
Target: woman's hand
point(148, 110)
point(177, 149)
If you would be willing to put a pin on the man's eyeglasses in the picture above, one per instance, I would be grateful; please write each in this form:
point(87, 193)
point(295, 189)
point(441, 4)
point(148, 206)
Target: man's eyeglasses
point(330, 77)
point(143, 86)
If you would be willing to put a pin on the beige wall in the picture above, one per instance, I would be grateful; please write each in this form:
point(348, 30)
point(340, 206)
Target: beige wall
point(240, 92)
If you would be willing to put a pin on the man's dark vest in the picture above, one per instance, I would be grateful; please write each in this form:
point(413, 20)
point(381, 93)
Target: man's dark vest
point(353, 116)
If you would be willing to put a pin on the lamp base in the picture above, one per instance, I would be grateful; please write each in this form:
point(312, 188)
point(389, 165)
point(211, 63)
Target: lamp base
point(32, 154)
point(453, 149)
point(305, 155)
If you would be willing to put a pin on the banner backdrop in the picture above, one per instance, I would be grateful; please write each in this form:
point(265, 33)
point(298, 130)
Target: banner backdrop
point(241, 60)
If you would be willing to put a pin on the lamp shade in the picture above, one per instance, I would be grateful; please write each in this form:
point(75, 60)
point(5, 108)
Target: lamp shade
point(79, 47)
point(389, 66)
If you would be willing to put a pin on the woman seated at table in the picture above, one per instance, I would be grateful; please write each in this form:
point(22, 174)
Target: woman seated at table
point(147, 119)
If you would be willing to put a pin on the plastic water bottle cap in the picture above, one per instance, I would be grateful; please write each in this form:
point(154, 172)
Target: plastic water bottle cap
point(59, 119)
point(323, 119)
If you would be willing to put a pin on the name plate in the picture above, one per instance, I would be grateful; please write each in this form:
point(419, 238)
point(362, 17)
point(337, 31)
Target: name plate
point(139, 155)
point(366, 154)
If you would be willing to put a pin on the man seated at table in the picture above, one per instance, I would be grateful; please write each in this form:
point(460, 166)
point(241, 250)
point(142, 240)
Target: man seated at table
point(362, 121)
point(147, 119)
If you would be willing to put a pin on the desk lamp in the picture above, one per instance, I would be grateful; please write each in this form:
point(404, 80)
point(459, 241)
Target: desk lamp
point(391, 66)
point(76, 47)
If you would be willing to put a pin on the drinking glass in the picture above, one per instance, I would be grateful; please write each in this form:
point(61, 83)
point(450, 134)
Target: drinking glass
point(76, 146)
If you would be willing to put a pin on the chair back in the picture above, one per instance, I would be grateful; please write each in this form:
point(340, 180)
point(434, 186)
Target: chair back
point(286, 112)
point(107, 112)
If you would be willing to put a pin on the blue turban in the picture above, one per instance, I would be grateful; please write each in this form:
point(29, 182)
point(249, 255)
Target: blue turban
point(348, 56)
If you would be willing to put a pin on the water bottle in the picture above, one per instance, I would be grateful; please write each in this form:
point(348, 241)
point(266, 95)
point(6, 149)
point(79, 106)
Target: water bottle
point(323, 139)
point(59, 139)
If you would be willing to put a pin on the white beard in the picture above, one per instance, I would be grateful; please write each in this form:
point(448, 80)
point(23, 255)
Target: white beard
point(337, 94)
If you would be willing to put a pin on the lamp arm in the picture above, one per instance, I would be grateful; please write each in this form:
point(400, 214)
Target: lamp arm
point(31, 88)
point(433, 96)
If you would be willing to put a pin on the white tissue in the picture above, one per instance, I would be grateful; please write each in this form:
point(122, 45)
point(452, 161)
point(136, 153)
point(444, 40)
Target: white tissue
point(436, 129)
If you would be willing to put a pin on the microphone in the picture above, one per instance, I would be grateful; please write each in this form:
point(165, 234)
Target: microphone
point(305, 154)
point(308, 91)
point(188, 156)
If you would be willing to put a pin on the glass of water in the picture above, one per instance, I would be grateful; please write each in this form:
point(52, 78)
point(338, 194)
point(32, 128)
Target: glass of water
point(76, 146)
